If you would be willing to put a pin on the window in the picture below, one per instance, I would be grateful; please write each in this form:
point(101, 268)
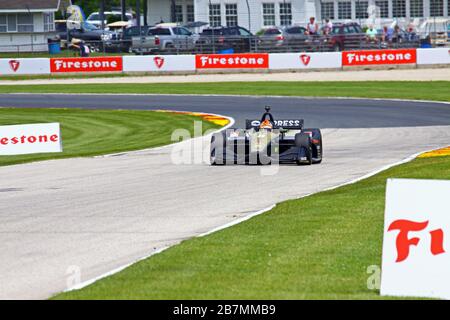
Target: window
point(12, 23)
point(268, 14)
point(398, 8)
point(179, 13)
point(244, 32)
point(436, 8)
point(231, 16)
point(416, 8)
point(296, 30)
point(49, 21)
point(3, 23)
point(159, 32)
point(344, 10)
point(383, 6)
point(285, 14)
point(8, 23)
point(361, 9)
point(214, 15)
point(25, 22)
point(190, 13)
point(180, 31)
point(327, 10)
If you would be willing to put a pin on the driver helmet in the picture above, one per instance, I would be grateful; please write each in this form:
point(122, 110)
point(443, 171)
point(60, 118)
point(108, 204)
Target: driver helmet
point(266, 124)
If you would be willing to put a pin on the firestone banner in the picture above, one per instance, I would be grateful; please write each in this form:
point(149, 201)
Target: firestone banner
point(95, 64)
point(232, 61)
point(416, 244)
point(379, 57)
point(30, 138)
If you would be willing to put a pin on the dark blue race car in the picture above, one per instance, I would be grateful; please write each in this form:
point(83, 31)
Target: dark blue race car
point(267, 141)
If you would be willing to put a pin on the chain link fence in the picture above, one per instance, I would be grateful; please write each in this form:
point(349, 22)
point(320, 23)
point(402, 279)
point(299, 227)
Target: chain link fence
point(211, 44)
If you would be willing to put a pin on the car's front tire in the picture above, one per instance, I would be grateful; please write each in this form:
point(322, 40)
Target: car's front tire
point(303, 141)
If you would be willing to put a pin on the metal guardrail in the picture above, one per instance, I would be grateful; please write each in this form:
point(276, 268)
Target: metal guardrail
point(227, 44)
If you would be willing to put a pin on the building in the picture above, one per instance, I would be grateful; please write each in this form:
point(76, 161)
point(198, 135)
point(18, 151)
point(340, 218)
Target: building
point(257, 14)
point(25, 25)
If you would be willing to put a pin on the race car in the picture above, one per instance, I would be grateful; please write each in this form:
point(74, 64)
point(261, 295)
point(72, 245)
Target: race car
point(267, 141)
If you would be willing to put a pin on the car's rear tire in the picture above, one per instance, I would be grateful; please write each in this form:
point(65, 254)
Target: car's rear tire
point(316, 134)
point(217, 155)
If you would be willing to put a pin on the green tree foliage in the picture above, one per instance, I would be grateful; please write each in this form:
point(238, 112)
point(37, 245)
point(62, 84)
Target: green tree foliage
point(90, 6)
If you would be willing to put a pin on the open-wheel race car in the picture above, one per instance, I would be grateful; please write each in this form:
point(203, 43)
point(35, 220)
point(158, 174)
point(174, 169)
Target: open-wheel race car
point(267, 141)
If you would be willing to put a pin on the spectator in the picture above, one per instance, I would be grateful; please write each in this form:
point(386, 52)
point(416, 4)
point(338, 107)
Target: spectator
point(388, 34)
point(328, 26)
point(371, 34)
point(82, 47)
point(312, 28)
point(134, 20)
point(411, 33)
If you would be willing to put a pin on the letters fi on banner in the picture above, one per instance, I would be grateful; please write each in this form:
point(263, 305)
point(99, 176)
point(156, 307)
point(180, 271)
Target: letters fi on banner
point(416, 252)
point(30, 138)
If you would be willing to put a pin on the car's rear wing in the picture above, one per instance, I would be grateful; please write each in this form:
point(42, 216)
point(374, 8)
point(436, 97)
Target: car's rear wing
point(292, 124)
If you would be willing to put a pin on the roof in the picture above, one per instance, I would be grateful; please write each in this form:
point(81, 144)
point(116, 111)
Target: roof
point(31, 5)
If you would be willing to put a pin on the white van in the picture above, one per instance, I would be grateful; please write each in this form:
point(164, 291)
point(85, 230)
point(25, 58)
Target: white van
point(94, 18)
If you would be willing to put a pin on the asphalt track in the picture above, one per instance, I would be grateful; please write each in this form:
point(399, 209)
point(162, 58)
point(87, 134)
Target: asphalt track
point(79, 218)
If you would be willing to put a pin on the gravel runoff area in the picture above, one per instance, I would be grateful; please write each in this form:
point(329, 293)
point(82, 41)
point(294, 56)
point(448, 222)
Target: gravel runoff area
point(431, 74)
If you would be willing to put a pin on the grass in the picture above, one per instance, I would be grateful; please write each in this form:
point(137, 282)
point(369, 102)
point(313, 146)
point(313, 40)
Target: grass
point(318, 247)
point(89, 133)
point(438, 90)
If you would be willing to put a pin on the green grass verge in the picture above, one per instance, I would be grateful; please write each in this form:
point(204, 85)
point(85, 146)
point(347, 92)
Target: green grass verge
point(96, 132)
point(439, 90)
point(318, 247)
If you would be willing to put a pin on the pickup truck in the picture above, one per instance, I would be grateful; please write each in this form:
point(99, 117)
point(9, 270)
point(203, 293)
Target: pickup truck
point(163, 38)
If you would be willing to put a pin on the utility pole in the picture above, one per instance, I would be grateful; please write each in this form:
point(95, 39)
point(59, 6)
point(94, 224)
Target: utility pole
point(102, 14)
point(248, 11)
point(145, 12)
point(138, 15)
point(123, 9)
point(173, 11)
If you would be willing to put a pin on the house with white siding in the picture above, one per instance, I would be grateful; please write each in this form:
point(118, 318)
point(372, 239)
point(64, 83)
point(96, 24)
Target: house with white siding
point(25, 25)
point(257, 14)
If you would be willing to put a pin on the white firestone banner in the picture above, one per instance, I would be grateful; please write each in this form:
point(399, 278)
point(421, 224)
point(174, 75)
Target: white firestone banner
point(24, 66)
point(306, 60)
point(30, 138)
point(159, 63)
point(433, 56)
point(416, 247)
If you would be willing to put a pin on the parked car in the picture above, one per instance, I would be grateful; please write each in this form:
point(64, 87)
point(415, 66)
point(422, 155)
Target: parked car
point(94, 18)
point(283, 38)
point(225, 39)
point(344, 36)
point(98, 39)
point(164, 38)
point(128, 34)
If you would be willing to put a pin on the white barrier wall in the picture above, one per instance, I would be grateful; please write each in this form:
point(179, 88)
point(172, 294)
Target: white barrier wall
point(159, 63)
point(433, 56)
point(24, 66)
point(192, 63)
point(307, 60)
